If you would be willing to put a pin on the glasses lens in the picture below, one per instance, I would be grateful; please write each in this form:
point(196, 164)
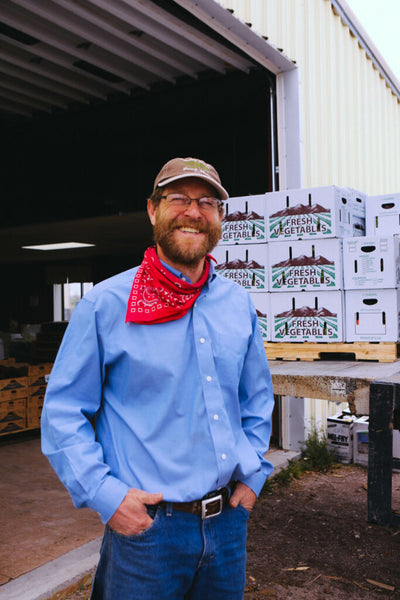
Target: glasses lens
point(181, 200)
point(208, 203)
point(178, 199)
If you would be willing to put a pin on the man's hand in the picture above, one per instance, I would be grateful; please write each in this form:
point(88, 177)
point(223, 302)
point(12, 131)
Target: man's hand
point(243, 495)
point(131, 516)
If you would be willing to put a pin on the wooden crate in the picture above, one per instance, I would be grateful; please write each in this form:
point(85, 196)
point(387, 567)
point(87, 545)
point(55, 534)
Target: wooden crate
point(34, 411)
point(39, 370)
point(13, 388)
point(309, 351)
point(12, 415)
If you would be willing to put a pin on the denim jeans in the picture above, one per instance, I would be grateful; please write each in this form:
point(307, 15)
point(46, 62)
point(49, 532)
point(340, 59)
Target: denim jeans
point(179, 557)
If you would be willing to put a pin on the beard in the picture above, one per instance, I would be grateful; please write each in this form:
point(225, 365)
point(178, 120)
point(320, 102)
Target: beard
point(178, 251)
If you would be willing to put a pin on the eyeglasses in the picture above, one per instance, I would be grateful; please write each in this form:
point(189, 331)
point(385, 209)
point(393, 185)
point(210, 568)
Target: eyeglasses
point(206, 203)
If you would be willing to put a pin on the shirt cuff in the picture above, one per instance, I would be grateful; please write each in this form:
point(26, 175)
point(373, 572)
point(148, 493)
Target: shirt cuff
point(256, 481)
point(108, 497)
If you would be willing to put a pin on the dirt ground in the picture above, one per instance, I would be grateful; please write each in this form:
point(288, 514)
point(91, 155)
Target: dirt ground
point(311, 540)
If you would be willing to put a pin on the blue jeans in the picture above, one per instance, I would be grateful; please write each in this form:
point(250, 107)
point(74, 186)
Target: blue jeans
point(179, 557)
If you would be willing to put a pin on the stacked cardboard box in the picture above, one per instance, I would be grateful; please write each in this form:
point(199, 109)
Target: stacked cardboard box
point(383, 214)
point(37, 382)
point(291, 243)
point(321, 264)
point(21, 397)
point(371, 283)
point(242, 254)
point(306, 228)
point(372, 274)
point(13, 399)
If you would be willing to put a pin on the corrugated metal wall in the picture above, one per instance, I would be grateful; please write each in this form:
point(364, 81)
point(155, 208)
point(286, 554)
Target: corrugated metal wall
point(350, 118)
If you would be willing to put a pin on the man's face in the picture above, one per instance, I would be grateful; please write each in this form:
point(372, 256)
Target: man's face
point(184, 235)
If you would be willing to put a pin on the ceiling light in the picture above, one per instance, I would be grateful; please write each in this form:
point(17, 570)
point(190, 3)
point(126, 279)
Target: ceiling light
point(61, 246)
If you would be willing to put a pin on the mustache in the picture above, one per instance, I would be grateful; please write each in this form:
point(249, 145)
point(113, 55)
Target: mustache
point(178, 223)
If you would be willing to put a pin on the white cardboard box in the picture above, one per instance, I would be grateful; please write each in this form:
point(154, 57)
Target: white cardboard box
point(357, 219)
point(383, 214)
point(372, 315)
point(245, 264)
point(305, 265)
point(339, 436)
point(320, 212)
point(371, 262)
point(360, 441)
point(261, 303)
point(307, 316)
point(244, 220)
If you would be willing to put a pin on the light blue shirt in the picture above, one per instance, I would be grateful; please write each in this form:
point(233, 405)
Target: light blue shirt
point(181, 407)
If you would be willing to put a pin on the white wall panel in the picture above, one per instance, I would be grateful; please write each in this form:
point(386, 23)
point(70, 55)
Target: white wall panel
point(350, 117)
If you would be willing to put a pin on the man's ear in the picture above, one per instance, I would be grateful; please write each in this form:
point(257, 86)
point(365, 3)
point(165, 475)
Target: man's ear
point(151, 211)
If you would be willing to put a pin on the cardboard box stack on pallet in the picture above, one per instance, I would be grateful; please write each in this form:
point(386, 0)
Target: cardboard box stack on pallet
point(22, 389)
point(321, 264)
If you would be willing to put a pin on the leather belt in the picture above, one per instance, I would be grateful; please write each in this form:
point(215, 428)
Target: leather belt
point(210, 505)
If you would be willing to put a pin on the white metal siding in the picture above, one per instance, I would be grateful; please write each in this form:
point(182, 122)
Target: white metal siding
point(350, 118)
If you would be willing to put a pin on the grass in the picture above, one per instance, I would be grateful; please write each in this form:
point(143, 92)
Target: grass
point(315, 456)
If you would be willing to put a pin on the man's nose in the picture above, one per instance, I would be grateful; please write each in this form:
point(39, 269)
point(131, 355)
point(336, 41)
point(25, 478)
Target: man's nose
point(193, 209)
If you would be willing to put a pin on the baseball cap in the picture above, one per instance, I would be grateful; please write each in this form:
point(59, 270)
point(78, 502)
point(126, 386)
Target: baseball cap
point(179, 168)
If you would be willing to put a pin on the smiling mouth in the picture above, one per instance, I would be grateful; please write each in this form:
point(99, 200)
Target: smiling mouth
point(189, 230)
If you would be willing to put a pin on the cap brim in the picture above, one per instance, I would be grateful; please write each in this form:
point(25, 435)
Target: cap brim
point(222, 191)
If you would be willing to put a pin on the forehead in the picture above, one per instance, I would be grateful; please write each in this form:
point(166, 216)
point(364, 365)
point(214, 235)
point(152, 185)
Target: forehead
point(192, 186)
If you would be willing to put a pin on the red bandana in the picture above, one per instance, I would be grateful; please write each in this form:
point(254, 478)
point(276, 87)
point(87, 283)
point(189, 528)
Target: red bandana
point(158, 295)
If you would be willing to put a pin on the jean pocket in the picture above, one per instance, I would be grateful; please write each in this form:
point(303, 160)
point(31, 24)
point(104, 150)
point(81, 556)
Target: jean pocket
point(153, 514)
point(246, 512)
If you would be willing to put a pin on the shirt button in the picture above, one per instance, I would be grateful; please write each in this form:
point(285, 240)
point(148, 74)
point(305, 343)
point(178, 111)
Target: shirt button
point(216, 417)
point(223, 456)
point(202, 340)
point(209, 378)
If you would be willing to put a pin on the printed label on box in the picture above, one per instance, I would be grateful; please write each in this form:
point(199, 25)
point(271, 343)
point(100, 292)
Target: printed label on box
point(246, 265)
point(300, 220)
point(307, 319)
point(305, 267)
point(309, 213)
point(244, 220)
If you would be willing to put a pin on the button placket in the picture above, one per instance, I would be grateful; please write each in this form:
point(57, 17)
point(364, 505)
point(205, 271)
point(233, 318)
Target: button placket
point(214, 403)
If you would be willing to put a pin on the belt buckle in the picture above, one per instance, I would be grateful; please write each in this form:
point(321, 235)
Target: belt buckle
point(207, 511)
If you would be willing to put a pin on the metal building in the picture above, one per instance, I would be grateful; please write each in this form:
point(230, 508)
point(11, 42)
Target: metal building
point(347, 98)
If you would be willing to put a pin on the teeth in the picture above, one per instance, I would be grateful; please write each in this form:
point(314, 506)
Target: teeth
point(189, 230)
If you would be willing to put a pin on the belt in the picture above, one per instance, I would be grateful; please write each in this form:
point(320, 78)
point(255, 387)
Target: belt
point(210, 505)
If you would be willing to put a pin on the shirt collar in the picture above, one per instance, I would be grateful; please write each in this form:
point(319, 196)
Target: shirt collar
point(184, 277)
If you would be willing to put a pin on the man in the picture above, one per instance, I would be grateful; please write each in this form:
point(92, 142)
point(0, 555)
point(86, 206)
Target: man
point(168, 358)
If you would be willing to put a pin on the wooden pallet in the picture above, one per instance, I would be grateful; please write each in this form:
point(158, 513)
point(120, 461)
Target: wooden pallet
point(309, 351)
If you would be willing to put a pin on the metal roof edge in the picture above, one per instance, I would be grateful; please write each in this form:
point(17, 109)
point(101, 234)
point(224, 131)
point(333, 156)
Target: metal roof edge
point(239, 33)
point(350, 19)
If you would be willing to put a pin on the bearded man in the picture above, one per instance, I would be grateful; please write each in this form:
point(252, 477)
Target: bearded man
point(168, 360)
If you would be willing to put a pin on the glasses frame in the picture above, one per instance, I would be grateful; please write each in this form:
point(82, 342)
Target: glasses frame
point(189, 200)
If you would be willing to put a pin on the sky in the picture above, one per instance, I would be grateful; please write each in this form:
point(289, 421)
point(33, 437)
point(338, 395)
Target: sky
point(381, 21)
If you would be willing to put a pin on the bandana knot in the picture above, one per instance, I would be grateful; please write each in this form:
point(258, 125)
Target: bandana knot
point(157, 295)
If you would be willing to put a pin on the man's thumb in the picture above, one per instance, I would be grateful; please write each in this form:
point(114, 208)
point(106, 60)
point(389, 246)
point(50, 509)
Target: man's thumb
point(152, 498)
